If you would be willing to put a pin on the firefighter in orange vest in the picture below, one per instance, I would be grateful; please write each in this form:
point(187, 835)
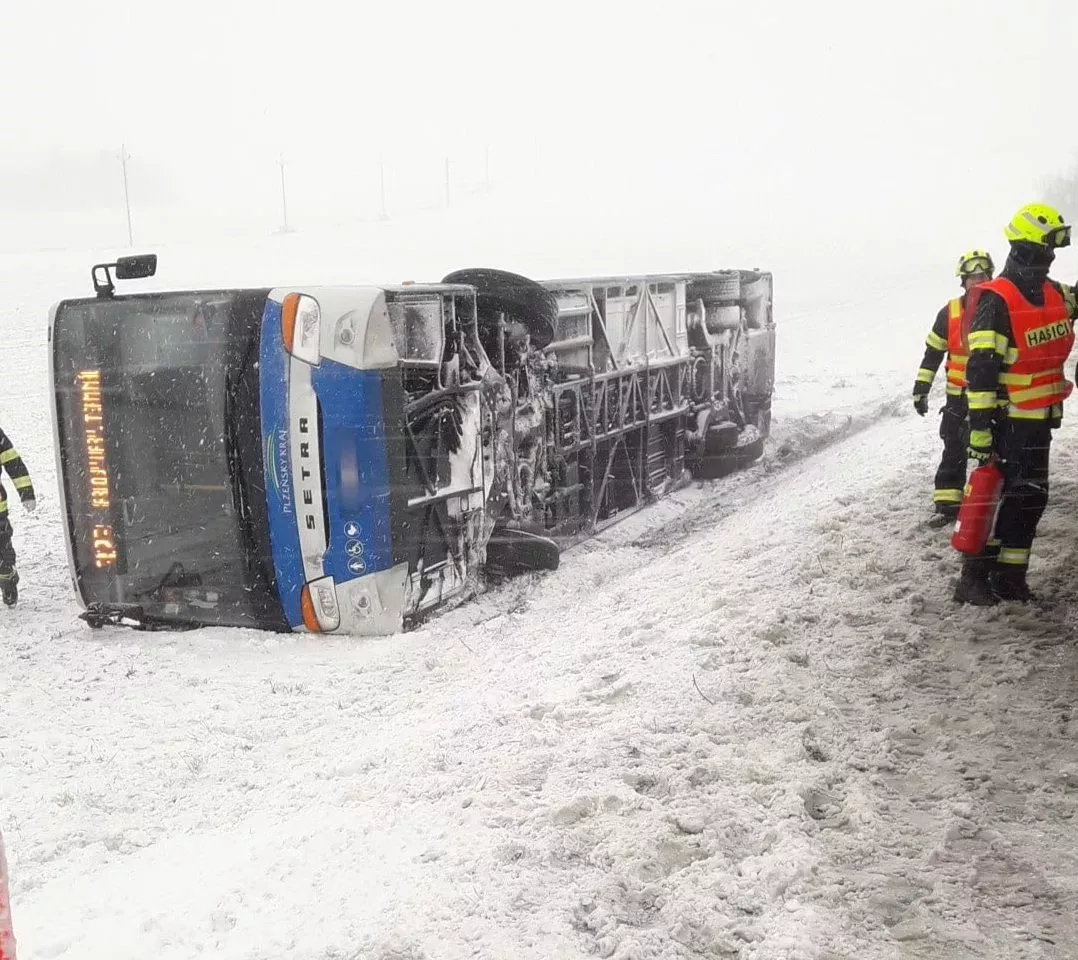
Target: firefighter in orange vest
point(945, 339)
point(1020, 333)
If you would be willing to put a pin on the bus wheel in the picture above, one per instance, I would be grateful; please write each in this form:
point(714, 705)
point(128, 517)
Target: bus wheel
point(520, 546)
point(750, 452)
point(719, 454)
point(519, 298)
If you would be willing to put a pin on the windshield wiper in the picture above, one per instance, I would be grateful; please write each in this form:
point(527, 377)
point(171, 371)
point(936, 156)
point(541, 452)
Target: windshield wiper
point(99, 615)
point(237, 482)
point(240, 501)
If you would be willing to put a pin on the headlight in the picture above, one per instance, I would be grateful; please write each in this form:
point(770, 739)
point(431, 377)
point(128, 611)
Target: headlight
point(318, 603)
point(301, 324)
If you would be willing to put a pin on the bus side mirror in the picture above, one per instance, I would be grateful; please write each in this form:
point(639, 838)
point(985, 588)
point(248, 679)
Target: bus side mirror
point(136, 268)
point(127, 268)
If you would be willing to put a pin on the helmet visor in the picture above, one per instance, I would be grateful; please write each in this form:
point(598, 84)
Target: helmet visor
point(1059, 236)
point(975, 265)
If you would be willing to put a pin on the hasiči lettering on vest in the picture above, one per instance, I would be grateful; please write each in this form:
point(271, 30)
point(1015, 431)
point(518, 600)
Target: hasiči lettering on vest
point(1048, 333)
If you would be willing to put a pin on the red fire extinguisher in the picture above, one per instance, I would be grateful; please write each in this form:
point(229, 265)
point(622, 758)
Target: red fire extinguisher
point(980, 505)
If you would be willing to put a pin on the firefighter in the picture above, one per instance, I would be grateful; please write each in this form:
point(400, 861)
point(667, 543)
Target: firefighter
point(20, 479)
point(1020, 334)
point(945, 338)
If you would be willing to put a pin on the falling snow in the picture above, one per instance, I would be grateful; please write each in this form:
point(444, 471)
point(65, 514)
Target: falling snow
point(746, 723)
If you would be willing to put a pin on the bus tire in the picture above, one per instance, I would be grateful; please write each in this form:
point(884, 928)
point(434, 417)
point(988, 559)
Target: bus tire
point(750, 452)
point(718, 456)
point(498, 291)
point(520, 546)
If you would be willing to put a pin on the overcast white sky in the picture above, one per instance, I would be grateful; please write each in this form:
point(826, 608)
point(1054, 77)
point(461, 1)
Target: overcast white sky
point(928, 114)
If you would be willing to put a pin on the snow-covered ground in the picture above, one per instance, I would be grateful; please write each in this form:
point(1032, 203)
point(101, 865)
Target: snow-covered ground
point(746, 723)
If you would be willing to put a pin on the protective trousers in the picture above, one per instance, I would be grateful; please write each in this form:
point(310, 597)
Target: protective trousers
point(1023, 446)
point(7, 549)
point(954, 432)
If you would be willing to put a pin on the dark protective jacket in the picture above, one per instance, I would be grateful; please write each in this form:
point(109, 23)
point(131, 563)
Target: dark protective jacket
point(991, 339)
point(16, 470)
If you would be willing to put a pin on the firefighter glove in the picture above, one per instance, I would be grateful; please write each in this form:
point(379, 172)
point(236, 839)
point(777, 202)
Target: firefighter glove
point(30, 505)
point(920, 404)
point(980, 446)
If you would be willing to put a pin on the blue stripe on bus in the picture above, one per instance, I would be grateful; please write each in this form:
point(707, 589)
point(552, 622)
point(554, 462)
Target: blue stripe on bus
point(273, 397)
point(356, 470)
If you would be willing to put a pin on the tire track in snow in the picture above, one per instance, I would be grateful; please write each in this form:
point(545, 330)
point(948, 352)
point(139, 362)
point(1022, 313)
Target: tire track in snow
point(793, 443)
point(702, 505)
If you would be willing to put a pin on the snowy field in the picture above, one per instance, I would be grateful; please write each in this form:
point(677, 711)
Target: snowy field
point(748, 723)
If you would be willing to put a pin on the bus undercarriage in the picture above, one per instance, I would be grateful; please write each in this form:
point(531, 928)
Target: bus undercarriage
point(600, 396)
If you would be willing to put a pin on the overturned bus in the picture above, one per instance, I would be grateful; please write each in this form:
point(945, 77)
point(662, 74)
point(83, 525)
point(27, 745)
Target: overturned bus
point(348, 459)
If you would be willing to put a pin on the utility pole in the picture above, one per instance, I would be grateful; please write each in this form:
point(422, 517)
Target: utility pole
point(382, 183)
point(284, 196)
point(124, 157)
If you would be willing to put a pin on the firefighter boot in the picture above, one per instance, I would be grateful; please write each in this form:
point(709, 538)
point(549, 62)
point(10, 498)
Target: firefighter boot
point(945, 513)
point(1009, 583)
point(9, 586)
point(948, 511)
point(974, 586)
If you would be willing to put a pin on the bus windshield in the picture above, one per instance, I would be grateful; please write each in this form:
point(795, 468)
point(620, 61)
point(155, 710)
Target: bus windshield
point(160, 440)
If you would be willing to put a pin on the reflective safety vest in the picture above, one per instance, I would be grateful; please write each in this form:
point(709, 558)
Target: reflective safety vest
point(957, 350)
point(1043, 338)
